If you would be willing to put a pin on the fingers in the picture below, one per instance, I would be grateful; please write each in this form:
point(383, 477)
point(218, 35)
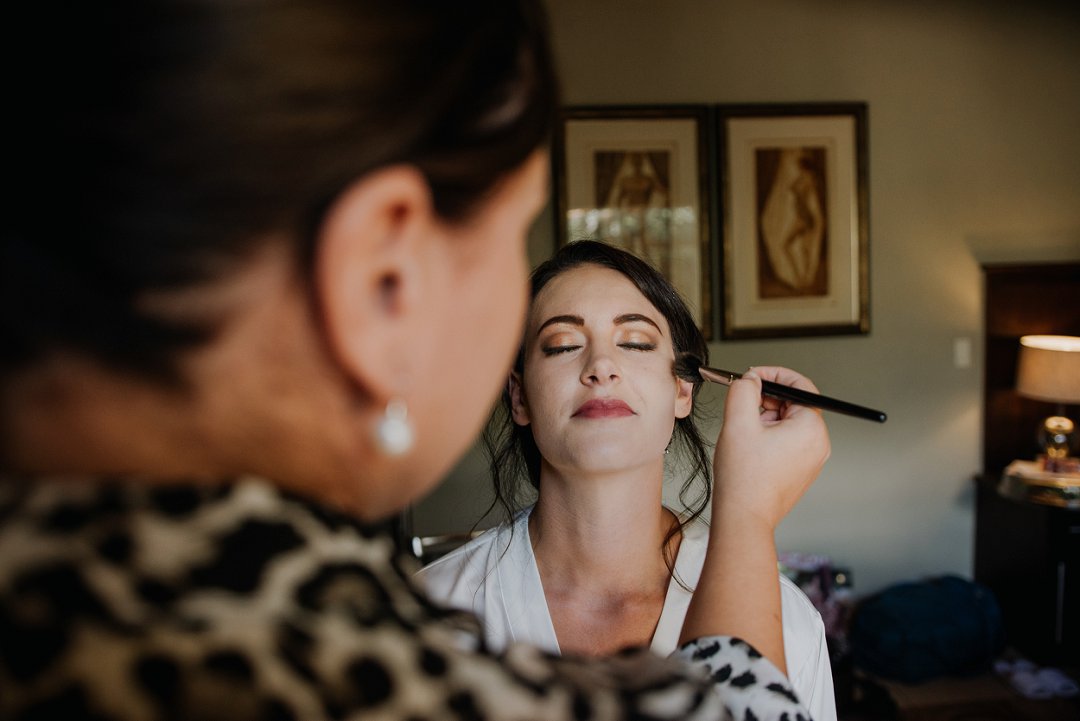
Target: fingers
point(744, 398)
point(746, 394)
point(783, 376)
point(769, 451)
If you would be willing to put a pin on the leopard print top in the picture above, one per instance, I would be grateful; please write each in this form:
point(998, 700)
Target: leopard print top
point(125, 601)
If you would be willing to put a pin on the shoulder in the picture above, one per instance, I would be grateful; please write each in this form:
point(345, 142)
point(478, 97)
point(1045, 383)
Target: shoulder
point(466, 568)
point(804, 639)
point(797, 607)
point(471, 556)
point(463, 554)
point(696, 529)
point(807, 651)
point(695, 538)
point(802, 622)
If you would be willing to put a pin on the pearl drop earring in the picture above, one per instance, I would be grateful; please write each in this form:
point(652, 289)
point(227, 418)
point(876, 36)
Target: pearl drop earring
point(394, 434)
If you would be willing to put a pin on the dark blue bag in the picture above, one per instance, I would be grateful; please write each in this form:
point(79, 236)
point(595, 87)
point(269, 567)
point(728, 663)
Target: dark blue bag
point(917, 631)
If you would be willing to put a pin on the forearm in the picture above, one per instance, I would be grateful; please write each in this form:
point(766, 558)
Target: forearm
point(767, 455)
point(738, 593)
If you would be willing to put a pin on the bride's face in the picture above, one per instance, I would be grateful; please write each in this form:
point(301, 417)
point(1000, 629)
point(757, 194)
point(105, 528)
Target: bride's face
point(598, 386)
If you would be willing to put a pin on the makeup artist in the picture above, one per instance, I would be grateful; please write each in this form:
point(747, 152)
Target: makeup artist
point(263, 274)
point(593, 420)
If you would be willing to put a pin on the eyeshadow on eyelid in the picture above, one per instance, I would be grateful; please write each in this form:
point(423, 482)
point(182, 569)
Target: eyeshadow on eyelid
point(640, 336)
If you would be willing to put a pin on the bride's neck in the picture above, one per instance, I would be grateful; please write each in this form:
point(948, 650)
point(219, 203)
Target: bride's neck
point(603, 531)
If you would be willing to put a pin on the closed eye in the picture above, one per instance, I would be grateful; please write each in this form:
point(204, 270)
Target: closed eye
point(638, 346)
point(556, 350)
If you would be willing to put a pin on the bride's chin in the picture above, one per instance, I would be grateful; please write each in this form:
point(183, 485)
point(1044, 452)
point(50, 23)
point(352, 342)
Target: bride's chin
point(612, 458)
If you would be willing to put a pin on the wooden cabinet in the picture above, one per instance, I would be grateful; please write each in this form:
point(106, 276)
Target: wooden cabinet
point(1027, 553)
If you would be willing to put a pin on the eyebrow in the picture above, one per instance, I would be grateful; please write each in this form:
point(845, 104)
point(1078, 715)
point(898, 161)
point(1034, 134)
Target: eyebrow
point(635, 318)
point(579, 321)
point(571, 319)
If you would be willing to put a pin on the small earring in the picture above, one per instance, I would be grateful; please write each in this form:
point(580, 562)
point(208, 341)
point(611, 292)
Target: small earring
point(394, 434)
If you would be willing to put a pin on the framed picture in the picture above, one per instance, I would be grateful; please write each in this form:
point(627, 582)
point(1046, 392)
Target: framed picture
point(637, 177)
point(794, 208)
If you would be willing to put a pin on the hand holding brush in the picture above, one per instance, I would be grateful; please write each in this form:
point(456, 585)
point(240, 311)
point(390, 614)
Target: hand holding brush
point(689, 367)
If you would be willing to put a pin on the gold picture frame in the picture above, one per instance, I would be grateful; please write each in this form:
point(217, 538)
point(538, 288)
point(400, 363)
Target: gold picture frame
point(794, 227)
point(638, 177)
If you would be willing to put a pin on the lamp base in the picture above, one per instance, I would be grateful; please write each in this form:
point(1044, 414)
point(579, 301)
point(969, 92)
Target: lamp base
point(1057, 436)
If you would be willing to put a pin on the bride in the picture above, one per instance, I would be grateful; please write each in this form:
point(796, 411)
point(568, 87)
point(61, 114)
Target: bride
point(599, 563)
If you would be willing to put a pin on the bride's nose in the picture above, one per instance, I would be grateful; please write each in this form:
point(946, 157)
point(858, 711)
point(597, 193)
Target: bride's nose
point(600, 367)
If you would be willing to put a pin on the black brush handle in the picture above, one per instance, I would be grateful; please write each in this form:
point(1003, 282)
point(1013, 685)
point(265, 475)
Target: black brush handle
point(815, 400)
point(803, 398)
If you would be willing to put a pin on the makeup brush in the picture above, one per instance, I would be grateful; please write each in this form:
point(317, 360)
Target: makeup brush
point(688, 367)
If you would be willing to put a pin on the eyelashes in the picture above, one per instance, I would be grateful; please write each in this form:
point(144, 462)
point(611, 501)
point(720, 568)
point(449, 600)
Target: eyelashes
point(559, 349)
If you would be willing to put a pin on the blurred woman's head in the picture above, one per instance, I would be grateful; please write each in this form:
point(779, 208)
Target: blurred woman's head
point(391, 151)
point(607, 320)
point(165, 140)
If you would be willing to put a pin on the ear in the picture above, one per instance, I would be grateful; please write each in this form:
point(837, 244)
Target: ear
point(519, 408)
point(368, 276)
point(684, 398)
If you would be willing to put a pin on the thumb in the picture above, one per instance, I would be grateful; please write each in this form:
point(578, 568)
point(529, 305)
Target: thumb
point(744, 398)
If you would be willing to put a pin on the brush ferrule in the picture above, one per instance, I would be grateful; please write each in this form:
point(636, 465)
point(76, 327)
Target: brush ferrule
point(723, 377)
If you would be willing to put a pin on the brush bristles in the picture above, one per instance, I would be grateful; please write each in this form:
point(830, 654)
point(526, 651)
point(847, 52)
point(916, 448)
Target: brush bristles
point(686, 367)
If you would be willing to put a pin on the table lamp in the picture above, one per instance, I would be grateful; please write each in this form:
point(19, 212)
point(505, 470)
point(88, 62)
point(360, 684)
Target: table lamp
point(1050, 371)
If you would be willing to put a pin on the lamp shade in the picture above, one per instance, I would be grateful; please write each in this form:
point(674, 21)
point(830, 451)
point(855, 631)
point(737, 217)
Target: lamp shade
point(1049, 368)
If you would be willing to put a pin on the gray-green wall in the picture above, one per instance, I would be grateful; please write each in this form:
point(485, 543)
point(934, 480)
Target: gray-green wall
point(974, 129)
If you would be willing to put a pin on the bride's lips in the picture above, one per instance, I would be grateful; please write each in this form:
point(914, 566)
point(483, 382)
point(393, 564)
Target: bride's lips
point(603, 408)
